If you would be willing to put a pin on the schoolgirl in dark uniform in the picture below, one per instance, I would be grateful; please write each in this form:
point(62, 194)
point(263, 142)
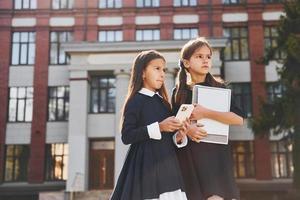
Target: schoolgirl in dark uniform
point(151, 169)
point(207, 168)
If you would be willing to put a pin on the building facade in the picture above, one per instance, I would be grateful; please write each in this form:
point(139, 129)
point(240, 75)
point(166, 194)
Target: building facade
point(64, 72)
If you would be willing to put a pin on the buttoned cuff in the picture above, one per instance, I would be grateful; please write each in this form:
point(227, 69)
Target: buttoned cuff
point(153, 131)
point(183, 142)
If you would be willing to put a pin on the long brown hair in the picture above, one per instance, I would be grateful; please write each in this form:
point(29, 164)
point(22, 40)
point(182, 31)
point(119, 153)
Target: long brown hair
point(181, 80)
point(140, 63)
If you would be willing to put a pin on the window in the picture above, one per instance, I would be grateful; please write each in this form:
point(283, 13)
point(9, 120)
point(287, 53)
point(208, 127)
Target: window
point(185, 33)
point(57, 55)
point(178, 3)
point(270, 35)
point(242, 96)
point(103, 94)
point(147, 35)
point(275, 90)
point(20, 104)
point(272, 1)
point(110, 36)
point(243, 157)
point(234, 1)
point(110, 3)
point(56, 161)
point(16, 162)
point(62, 4)
point(282, 162)
point(58, 105)
point(237, 47)
point(23, 48)
point(147, 3)
point(24, 4)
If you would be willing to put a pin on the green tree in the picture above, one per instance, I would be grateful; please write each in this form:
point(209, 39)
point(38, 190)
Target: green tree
point(282, 114)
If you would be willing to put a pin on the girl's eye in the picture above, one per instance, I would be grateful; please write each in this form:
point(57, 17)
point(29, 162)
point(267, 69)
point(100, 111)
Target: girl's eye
point(208, 57)
point(164, 69)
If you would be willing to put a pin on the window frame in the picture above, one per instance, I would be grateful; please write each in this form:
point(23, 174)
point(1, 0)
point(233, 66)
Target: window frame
point(66, 102)
point(25, 99)
point(98, 90)
point(28, 43)
point(180, 3)
point(14, 158)
point(69, 38)
point(143, 32)
point(239, 39)
point(142, 5)
point(69, 5)
point(50, 162)
point(114, 6)
point(190, 29)
point(107, 31)
point(32, 5)
point(243, 96)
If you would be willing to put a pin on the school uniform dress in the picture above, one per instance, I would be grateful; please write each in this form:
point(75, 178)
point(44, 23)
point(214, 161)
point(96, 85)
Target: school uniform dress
point(151, 170)
point(207, 168)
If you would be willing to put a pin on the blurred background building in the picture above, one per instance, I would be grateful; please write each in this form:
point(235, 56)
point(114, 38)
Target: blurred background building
point(59, 112)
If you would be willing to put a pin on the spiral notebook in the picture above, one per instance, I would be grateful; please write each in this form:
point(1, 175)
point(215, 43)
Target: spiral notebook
point(217, 99)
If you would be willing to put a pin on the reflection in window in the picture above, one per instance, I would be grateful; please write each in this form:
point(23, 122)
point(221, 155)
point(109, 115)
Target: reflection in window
point(110, 36)
point(147, 3)
point(242, 96)
point(103, 94)
point(185, 33)
point(20, 104)
point(270, 39)
point(110, 3)
point(57, 55)
point(62, 4)
point(16, 162)
point(24, 4)
point(58, 105)
point(147, 35)
point(243, 157)
point(282, 161)
point(56, 161)
point(237, 46)
point(178, 3)
point(23, 48)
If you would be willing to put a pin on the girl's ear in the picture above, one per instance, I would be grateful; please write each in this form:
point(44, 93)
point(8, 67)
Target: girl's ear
point(143, 75)
point(186, 63)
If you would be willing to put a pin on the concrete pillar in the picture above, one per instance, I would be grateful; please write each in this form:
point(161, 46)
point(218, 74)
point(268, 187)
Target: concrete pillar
point(170, 81)
point(122, 82)
point(77, 136)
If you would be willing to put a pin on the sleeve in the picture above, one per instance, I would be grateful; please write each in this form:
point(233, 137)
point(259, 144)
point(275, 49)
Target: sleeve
point(131, 131)
point(182, 144)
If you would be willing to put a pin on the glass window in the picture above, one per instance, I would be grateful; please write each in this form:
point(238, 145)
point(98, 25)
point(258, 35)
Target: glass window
point(185, 33)
point(178, 3)
point(237, 44)
point(243, 156)
point(56, 162)
point(242, 96)
point(16, 163)
point(234, 1)
point(24, 4)
point(147, 35)
point(147, 3)
point(110, 3)
point(23, 48)
point(20, 104)
point(270, 38)
point(57, 55)
point(103, 94)
point(62, 4)
point(275, 90)
point(110, 36)
point(58, 105)
point(282, 161)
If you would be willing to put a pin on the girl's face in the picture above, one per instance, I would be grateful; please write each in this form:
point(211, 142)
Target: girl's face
point(154, 74)
point(200, 62)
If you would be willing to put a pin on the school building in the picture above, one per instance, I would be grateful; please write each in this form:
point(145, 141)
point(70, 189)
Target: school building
point(64, 73)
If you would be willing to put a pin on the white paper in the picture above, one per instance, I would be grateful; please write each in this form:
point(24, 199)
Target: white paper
point(217, 99)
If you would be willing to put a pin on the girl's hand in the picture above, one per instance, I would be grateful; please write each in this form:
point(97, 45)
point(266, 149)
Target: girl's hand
point(195, 132)
point(169, 124)
point(183, 130)
point(199, 112)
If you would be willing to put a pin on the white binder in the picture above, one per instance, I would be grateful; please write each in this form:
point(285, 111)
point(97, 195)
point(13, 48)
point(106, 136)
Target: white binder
point(217, 99)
